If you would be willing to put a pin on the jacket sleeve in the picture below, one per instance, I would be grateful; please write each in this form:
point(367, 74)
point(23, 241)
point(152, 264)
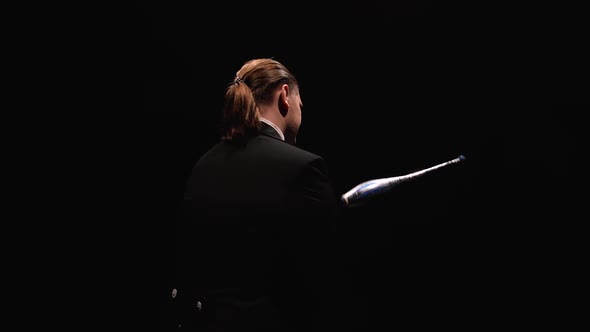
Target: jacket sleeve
point(313, 194)
point(307, 241)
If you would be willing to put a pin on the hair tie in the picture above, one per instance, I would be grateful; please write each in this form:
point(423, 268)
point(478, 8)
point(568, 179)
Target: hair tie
point(238, 80)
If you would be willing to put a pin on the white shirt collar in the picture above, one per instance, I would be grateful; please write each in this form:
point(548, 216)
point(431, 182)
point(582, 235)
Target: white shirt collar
point(274, 126)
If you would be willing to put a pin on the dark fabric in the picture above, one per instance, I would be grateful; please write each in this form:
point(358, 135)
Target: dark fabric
point(253, 238)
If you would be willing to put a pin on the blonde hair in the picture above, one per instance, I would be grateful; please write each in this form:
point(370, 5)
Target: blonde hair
point(253, 85)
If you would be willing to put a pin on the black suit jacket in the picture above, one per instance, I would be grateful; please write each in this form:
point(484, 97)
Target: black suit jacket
point(253, 235)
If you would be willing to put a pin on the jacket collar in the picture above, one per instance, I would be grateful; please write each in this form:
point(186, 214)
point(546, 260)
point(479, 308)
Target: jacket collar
point(268, 129)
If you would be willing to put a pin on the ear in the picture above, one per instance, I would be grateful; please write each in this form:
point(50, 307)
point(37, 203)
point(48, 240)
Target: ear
point(284, 100)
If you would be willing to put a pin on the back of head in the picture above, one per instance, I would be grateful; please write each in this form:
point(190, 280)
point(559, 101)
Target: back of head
point(253, 85)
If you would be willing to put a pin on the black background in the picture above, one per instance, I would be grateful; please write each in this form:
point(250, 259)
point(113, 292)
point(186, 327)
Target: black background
point(388, 88)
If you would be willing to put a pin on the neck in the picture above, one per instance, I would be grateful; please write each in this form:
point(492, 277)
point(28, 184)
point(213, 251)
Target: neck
point(276, 120)
point(274, 116)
